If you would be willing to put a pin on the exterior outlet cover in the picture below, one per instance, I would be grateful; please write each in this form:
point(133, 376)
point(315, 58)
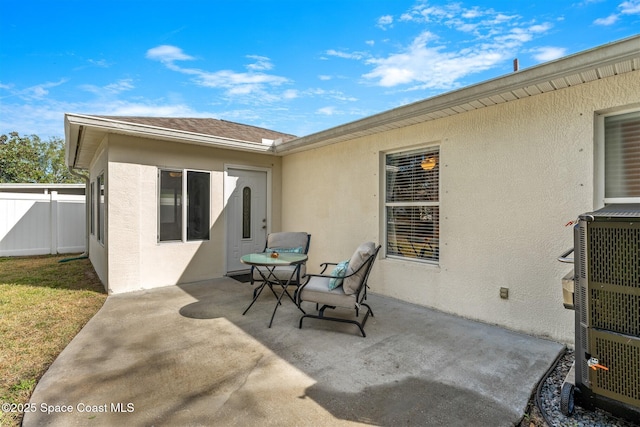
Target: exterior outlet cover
point(504, 293)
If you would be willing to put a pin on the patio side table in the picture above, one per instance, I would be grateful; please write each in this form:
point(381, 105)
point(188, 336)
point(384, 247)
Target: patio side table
point(270, 263)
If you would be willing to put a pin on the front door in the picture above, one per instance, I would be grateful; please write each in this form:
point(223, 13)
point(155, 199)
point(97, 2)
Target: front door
point(246, 214)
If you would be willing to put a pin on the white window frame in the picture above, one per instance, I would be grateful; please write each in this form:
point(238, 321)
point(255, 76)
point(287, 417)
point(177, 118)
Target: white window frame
point(92, 208)
point(600, 177)
point(385, 204)
point(184, 205)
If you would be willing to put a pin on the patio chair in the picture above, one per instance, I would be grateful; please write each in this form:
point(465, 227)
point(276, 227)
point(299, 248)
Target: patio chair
point(286, 241)
point(326, 290)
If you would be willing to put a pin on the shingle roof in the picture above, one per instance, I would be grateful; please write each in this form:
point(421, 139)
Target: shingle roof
point(205, 126)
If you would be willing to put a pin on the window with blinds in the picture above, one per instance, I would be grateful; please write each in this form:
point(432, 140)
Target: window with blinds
point(622, 158)
point(412, 204)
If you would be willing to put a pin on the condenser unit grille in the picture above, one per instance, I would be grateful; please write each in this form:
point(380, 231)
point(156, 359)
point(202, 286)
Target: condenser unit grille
point(615, 311)
point(582, 253)
point(607, 303)
point(621, 355)
point(582, 297)
point(615, 253)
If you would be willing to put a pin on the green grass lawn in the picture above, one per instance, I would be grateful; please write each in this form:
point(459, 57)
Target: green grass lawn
point(43, 305)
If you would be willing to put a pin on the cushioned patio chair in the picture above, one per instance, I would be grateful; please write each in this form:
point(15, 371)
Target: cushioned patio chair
point(286, 241)
point(345, 287)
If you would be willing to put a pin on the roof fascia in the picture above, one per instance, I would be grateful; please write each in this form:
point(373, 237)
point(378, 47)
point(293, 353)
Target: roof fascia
point(601, 56)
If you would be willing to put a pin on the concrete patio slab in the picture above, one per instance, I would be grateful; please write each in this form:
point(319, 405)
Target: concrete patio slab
point(187, 356)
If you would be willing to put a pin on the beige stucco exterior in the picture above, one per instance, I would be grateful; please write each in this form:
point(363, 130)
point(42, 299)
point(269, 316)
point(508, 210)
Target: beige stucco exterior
point(519, 158)
point(131, 257)
point(512, 176)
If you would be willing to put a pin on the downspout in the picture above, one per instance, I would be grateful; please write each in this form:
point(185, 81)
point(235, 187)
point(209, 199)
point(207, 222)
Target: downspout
point(87, 196)
point(87, 224)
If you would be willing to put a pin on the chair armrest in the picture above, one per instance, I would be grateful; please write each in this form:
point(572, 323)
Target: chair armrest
point(324, 266)
point(328, 276)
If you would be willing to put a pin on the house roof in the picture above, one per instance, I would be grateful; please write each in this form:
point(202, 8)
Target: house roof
point(599, 63)
point(208, 126)
point(84, 133)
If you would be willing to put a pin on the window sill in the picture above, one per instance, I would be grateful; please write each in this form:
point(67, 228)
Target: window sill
point(412, 263)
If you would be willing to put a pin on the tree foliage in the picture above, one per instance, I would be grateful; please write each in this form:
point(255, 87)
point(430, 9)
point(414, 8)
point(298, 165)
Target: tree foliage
point(28, 159)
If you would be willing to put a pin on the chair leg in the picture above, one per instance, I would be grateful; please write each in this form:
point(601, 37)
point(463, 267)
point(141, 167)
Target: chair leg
point(321, 316)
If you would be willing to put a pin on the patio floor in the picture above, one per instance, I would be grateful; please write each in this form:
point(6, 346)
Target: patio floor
point(186, 355)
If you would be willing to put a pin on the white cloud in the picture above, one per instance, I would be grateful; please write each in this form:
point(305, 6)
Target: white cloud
point(46, 117)
point(324, 77)
point(110, 89)
point(290, 94)
point(328, 94)
point(102, 63)
point(262, 63)
point(385, 21)
point(540, 28)
point(120, 86)
point(150, 109)
point(406, 17)
point(435, 13)
point(432, 67)
point(42, 90)
point(35, 92)
point(609, 20)
point(631, 7)
point(346, 55)
point(548, 53)
point(472, 13)
point(235, 83)
point(327, 111)
point(250, 86)
point(167, 53)
point(487, 38)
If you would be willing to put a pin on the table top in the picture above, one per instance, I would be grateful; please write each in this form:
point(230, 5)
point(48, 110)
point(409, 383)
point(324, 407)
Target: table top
point(265, 259)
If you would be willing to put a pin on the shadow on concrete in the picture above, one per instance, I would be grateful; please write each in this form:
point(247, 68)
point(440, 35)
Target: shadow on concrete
point(187, 356)
point(410, 401)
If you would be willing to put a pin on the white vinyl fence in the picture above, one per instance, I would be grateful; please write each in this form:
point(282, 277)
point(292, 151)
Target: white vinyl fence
point(39, 224)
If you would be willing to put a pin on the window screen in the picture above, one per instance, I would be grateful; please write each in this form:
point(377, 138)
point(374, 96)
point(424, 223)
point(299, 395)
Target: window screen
point(92, 209)
point(170, 205)
point(622, 156)
point(412, 204)
point(100, 207)
point(198, 199)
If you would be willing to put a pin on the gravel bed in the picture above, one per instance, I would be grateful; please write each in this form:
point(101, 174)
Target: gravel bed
point(550, 402)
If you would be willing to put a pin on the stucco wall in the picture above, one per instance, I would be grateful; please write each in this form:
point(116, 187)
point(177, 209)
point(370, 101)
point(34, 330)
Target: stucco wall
point(512, 176)
point(136, 259)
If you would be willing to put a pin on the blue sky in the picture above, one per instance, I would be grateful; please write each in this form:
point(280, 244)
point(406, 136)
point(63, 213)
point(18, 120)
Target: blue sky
point(293, 66)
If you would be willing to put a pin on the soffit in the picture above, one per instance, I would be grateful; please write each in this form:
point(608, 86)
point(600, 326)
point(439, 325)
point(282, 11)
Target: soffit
point(600, 63)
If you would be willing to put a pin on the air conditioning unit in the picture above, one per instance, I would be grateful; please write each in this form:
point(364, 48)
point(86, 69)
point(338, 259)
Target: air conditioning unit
point(607, 310)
